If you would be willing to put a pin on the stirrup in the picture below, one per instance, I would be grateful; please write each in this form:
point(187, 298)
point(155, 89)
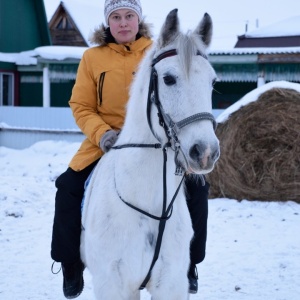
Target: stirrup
point(52, 267)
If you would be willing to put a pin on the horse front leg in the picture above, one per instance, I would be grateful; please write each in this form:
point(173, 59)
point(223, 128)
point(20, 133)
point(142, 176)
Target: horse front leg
point(135, 296)
point(174, 294)
point(108, 289)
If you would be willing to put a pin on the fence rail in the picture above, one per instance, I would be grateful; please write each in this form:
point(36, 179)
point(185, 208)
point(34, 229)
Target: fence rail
point(21, 127)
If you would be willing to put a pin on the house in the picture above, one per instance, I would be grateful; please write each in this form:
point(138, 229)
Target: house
point(21, 29)
point(266, 54)
point(44, 73)
point(285, 33)
point(241, 70)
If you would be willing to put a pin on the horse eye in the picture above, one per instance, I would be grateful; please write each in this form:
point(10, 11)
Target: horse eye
point(169, 80)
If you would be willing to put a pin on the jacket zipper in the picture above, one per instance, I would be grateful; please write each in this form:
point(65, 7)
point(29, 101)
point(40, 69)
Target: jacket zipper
point(101, 83)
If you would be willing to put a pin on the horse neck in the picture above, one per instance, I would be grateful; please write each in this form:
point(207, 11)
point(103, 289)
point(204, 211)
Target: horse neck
point(142, 166)
point(136, 128)
point(139, 174)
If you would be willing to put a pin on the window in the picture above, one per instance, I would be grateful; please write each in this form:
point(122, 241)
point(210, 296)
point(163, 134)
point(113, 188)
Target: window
point(64, 23)
point(6, 89)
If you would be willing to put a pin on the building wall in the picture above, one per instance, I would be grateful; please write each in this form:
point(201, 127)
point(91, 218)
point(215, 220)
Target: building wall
point(227, 93)
point(61, 93)
point(23, 25)
point(31, 94)
point(31, 90)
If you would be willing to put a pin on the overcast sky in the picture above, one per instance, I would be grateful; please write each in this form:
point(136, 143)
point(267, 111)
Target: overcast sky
point(229, 16)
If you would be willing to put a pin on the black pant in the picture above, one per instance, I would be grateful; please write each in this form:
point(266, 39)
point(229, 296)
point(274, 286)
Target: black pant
point(65, 245)
point(197, 202)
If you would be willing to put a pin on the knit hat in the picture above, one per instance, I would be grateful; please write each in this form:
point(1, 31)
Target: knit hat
point(112, 5)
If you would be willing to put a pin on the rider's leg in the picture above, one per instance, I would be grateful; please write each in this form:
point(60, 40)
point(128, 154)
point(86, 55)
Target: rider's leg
point(197, 201)
point(65, 247)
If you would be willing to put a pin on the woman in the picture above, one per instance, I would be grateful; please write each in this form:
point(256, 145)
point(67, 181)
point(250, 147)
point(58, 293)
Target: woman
point(98, 103)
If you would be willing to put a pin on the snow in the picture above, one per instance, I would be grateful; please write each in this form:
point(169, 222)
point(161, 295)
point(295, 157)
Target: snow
point(45, 52)
point(21, 58)
point(288, 27)
point(253, 96)
point(253, 248)
point(60, 52)
point(64, 52)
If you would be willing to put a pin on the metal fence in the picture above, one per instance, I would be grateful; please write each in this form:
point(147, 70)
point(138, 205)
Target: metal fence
point(21, 127)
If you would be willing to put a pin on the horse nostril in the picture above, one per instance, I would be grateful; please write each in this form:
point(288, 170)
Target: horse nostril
point(194, 152)
point(197, 151)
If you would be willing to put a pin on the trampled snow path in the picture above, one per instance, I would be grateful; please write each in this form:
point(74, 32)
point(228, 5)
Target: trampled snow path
point(253, 249)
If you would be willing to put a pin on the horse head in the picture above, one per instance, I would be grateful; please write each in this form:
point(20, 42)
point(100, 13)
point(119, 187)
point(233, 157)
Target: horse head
point(181, 89)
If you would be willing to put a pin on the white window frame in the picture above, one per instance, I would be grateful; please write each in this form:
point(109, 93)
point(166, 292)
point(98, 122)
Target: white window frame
point(11, 88)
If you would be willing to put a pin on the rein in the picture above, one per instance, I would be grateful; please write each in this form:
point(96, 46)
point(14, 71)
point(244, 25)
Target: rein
point(166, 214)
point(166, 210)
point(171, 129)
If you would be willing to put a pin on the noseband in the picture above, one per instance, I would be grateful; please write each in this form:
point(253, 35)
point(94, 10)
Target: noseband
point(171, 128)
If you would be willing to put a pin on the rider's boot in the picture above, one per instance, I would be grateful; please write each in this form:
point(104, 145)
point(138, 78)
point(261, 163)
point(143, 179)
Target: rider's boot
point(73, 279)
point(193, 279)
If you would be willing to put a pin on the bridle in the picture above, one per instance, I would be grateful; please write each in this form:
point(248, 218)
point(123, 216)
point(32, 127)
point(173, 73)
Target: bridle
point(171, 129)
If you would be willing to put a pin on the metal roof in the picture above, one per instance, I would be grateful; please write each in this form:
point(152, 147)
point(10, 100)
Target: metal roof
point(257, 50)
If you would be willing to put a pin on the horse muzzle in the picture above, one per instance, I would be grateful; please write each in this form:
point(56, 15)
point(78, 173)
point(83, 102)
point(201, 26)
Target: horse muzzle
point(202, 157)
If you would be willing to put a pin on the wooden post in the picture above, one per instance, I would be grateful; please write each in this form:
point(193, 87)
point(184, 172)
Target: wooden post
point(46, 87)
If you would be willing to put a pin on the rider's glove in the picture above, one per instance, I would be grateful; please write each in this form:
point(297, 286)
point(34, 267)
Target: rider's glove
point(108, 140)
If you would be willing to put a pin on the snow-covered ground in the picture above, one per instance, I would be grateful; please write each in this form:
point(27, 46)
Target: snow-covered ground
point(253, 249)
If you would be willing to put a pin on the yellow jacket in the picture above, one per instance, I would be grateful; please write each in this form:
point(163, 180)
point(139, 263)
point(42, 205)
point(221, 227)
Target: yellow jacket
point(101, 90)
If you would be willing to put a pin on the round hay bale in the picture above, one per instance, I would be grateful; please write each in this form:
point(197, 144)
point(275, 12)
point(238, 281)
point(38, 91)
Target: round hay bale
point(260, 150)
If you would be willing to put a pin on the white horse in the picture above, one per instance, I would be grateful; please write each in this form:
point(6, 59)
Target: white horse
point(127, 203)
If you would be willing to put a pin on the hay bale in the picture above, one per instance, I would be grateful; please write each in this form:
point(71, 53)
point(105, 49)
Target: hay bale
point(260, 150)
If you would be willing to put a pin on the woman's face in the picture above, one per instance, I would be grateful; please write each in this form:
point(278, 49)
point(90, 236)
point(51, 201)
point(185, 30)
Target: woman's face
point(124, 25)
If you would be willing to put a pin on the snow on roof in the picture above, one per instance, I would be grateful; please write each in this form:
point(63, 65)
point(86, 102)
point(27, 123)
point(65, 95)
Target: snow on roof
point(45, 52)
point(60, 52)
point(22, 58)
point(287, 27)
point(254, 95)
point(65, 52)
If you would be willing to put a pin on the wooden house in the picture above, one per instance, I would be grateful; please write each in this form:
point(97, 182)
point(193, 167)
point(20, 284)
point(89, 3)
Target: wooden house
point(64, 30)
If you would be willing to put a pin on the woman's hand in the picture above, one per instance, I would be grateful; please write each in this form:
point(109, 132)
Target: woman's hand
point(108, 140)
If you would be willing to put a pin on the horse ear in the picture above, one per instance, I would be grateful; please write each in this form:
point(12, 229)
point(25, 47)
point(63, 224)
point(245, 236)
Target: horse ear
point(205, 29)
point(169, 30)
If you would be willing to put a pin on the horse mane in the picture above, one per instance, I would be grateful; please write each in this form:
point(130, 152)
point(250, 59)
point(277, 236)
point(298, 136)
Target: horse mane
point(188, 45)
